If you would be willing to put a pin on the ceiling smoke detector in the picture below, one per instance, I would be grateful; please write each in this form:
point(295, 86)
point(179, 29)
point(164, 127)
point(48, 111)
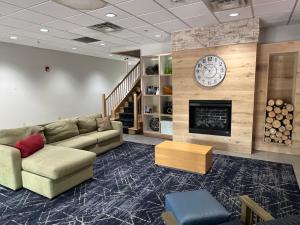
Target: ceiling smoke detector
point(106, 27)
point(83, 5)
point(221, 5)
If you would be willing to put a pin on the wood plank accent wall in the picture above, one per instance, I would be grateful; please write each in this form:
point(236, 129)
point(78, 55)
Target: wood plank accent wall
point(288, 85)
point(238, 86)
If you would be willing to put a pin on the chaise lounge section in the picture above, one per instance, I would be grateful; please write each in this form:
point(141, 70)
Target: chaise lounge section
point(65, 161)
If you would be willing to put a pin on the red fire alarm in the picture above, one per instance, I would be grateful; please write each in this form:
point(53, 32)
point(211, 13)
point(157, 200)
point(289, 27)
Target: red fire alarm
point(47, 68)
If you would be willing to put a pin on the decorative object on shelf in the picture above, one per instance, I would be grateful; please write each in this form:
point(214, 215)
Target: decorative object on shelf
point(279, 120)
point(148, 109)
point(168, 108)
point(167, 90)
point(210, 70)
point(154, 124)
point(152, 70)
point(168, 67)
point(151, 90)
point(166, 127)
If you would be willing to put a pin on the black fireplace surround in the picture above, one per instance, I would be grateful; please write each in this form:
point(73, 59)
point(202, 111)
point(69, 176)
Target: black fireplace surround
point(210, 117)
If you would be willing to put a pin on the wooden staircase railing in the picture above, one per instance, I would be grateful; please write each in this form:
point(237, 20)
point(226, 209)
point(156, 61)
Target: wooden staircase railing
point(120, 92)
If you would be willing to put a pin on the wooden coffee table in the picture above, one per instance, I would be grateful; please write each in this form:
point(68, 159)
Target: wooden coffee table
point(184, 156)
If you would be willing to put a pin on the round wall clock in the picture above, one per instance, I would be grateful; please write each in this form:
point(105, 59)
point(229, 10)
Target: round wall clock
point(210, 70)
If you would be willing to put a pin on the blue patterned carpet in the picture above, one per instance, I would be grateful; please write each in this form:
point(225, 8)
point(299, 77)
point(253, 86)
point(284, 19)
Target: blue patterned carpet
point(128, 188)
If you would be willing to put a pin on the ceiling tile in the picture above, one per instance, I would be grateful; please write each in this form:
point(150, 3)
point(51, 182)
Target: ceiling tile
point(24, 3)
point(63, 25)
point(54, 9)
point(146, 29)
point(112, 39)
point(31, 16)
point(170, 4)
point(141, 39)
point(106, 44)
point(138, 7)
point(190, 10)
point(274, 19)
point(273, 7)
point(201, 21)
point(6, 8)
point(123, 34)
point(244, 13)
point(115, 1)
point(298, 6)
point(130, 22)
point(100, 13)
point(171, 26)
point(157, 17)
point(8, 21)
point(84, 31)
point(84, 20)
point(296, 17)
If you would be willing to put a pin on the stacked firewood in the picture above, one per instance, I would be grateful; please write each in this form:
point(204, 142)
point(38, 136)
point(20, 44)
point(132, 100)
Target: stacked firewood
point(279, 120)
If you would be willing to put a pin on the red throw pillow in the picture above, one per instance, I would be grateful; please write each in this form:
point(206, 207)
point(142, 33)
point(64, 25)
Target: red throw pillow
point(30, 145)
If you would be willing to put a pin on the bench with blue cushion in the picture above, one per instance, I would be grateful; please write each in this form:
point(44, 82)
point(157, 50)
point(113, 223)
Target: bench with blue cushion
point(195, 207)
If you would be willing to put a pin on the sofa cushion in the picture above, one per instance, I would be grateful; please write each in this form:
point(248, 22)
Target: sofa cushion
point(104, 124)
point(55, 162)
point(30, 145)
point(61, 130)
point(79, 142)
point(288, 220)
point(86, 124)
point(11, 136)
point(196, 207)
point(103, 135)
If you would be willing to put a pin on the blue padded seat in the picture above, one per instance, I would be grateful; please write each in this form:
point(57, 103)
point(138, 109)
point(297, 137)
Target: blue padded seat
point(196, 208)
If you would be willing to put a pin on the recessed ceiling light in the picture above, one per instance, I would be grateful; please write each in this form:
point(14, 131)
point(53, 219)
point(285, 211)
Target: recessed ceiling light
point(74, 48)
point(13, 37)
point(234, 14)
point(110, 15)
point(157, 35)
point(110, 55)
point(45, 30)
point(102, 44)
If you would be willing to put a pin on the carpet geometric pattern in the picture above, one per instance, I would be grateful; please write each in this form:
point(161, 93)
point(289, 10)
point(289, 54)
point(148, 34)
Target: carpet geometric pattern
point(128, 189)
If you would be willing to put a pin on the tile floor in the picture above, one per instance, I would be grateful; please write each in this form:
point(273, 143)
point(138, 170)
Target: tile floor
point(268, 156)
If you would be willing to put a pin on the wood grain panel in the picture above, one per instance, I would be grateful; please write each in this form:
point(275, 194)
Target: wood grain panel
point(238, 86)
point(265, 51)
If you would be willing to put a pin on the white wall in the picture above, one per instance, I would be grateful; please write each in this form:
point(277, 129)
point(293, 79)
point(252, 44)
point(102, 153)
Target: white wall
point(280, 33)
point(28, 95)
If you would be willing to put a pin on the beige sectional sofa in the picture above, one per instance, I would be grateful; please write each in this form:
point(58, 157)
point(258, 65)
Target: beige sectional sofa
point(66, 159)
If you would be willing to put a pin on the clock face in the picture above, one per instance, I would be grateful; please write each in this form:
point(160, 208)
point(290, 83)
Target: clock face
point(210, 70)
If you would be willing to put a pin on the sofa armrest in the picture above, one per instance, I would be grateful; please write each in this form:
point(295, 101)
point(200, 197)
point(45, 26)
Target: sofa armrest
point(10, 167)
point(117, 125)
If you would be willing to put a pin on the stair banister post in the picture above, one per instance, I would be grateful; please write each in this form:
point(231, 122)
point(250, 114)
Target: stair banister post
point(135, 105)
point(103, 105)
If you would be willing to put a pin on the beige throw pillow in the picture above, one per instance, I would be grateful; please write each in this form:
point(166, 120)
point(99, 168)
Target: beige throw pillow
point(86, 124)
point(104, 124)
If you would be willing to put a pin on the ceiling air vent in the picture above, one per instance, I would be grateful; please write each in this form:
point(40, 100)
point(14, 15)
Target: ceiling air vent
point(106, 27)
point(221, 5)
point(86, 40)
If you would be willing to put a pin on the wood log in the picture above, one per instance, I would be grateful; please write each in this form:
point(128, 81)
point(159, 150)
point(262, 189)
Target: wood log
point(286, 121)
point(284, 137)
point(271, 114)
point(276, 124)
point(268, 140)
point(288, 142)
point(279, 102)
point(281, 129)
point(271, 102)
point(273, 136)
point(269, 108)
point(287, 133)
point(277, 110)
point(279, 117)
point(279, 140)
point(268, 125)
point(284, 112)
point(278, 134)
point(289, 127)
point(290, 107)
point(269, 120)
point(267, 133)
point(289, 116)
point(273, 131)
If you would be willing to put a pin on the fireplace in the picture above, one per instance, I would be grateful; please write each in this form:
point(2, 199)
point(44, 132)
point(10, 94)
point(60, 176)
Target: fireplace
point(210, 117)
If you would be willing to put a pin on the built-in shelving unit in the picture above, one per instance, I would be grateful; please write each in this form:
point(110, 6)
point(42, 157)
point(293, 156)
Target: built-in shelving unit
point(156, 76)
